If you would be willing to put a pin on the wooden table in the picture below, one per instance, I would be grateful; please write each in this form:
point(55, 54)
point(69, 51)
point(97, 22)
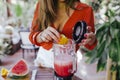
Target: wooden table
point(43, 74)
point(48, 74)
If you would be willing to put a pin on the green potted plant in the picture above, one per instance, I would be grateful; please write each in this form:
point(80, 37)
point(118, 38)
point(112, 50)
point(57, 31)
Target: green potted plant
point(107, 52)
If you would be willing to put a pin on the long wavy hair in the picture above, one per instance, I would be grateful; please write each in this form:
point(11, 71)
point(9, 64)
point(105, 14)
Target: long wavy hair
point(48, 11)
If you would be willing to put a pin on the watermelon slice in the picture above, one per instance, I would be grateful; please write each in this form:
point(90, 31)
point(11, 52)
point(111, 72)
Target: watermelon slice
point(20, 68)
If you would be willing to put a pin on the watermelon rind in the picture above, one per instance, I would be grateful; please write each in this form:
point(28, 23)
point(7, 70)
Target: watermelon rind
point(22, 74)
point(18, 77)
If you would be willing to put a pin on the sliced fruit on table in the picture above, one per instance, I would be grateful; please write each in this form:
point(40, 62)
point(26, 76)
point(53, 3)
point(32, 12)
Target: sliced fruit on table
point(4, 72)
point(20, 68)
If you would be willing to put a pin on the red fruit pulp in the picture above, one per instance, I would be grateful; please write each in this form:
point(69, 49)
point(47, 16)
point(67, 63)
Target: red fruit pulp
point(20, 68)
point(63, 65)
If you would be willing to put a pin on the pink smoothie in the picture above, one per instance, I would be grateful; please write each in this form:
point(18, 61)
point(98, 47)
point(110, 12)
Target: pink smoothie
point(63, 65)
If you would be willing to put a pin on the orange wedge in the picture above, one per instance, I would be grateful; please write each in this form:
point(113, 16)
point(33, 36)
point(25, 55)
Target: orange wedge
point(4, 72)
point(63, 40)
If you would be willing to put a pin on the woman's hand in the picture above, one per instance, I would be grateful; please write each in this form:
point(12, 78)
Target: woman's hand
point(49, 34)
point(90, 38)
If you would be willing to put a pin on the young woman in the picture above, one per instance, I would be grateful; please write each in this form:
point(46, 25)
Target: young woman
point(55, 17)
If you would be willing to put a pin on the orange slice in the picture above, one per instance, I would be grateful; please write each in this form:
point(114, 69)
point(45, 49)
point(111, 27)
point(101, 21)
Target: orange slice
point(63, 40)
point(4, 72)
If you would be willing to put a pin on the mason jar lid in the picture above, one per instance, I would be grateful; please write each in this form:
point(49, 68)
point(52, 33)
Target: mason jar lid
point(79, 30)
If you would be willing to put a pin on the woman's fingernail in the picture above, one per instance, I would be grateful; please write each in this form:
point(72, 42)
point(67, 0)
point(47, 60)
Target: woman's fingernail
point(83, 41)
point(85, 35)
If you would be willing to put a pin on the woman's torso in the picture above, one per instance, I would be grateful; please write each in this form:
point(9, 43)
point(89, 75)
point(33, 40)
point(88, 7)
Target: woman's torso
point(64, 23)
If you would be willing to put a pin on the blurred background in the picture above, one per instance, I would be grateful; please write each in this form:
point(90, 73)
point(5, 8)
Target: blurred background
point(16, 15)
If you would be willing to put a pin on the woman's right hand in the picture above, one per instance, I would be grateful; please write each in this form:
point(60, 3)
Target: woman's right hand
point(49, 34)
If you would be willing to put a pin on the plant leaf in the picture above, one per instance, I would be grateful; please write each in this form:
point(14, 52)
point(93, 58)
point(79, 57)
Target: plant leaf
point(18, 10)
point(101, 49)
point(100, 65)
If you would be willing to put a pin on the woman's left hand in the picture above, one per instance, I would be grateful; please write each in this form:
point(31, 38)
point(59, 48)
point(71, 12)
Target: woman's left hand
point(90, 38)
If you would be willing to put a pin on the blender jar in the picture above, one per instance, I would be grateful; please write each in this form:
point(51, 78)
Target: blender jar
point(65, 60)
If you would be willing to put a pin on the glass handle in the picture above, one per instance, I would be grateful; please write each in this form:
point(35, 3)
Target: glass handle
point(74, 64)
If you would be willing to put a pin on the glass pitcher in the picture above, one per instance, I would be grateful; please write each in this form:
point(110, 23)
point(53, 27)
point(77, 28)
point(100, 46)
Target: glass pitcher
point(65, 61)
